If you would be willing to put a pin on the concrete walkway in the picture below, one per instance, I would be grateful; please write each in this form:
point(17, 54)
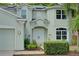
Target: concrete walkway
point(29, 53)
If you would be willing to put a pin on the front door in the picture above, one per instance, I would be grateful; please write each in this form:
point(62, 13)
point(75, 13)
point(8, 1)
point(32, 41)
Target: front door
point(39, 35)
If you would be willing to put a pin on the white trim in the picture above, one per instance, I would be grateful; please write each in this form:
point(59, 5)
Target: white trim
point(22, 20)
point(9, 12)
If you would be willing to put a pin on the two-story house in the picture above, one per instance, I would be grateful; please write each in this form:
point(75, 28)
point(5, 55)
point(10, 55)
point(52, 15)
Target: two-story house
point(45, 23)
point(38, 23)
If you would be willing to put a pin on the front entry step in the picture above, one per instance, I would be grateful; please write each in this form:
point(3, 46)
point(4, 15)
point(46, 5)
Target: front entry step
point(29, 53)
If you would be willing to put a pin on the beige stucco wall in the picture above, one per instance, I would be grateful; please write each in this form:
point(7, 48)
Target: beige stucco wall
point(39, 14)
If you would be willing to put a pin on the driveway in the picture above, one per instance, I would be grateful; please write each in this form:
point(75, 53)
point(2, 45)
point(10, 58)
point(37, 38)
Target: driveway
point(6, 53)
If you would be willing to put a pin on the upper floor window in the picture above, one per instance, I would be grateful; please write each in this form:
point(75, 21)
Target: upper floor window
point(23, 13)
point(61, 33)
point(60, 14)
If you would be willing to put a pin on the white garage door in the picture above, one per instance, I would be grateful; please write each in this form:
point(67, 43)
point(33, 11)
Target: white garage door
point(7, 39)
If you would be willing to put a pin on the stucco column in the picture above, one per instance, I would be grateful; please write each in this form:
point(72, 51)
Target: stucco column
point(22, 34)
point(19, 41)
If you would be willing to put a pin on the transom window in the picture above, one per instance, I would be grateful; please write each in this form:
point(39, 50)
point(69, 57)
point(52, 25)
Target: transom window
point(23, 13)
point(60, 14)
point(61, 33)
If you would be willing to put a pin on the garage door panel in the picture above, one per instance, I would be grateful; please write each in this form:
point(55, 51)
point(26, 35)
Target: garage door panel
point(7, 39)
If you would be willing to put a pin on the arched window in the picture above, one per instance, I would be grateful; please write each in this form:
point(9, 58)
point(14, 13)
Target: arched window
point(23, 13)
point(61, 33)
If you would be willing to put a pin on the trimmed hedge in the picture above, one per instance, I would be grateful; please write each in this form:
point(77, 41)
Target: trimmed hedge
point(57, 47)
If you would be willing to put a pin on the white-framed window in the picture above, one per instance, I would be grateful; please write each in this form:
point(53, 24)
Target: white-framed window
point(23, 13)
point(60, 14)
point(61, 33)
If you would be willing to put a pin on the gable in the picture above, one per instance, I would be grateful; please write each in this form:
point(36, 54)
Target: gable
point(9, 13)
point(7, 19)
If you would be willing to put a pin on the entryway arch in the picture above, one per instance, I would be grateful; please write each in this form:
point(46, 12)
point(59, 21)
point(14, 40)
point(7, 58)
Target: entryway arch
point(39, 34)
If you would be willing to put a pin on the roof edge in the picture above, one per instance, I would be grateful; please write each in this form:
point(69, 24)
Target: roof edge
point(10, 13)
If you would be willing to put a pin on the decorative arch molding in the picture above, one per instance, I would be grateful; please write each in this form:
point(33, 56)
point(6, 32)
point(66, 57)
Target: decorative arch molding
point(38, 23)
point(40, 27)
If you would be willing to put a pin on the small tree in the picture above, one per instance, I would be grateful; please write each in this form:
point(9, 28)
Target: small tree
point(75, 26)
point(74, 22)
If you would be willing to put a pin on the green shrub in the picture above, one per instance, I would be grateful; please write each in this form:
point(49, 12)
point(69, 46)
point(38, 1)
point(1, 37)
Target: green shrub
point(56, 47)
point(26, 43)
point(34, 42)
point(32, 46)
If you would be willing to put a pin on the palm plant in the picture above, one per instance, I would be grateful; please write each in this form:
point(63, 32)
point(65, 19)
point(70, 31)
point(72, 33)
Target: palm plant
point(74, 22)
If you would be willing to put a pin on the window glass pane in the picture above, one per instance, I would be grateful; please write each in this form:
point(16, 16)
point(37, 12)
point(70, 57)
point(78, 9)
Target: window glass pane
point(58, 16)
point(58, 33)
point(58, 11)
point(61, 33)
point(57, 28)
point(23, 13)
point(64, 33)
point(58, 37)
point(33, 19)
point(63, 16)
point(63, 12)
point(64, 37)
